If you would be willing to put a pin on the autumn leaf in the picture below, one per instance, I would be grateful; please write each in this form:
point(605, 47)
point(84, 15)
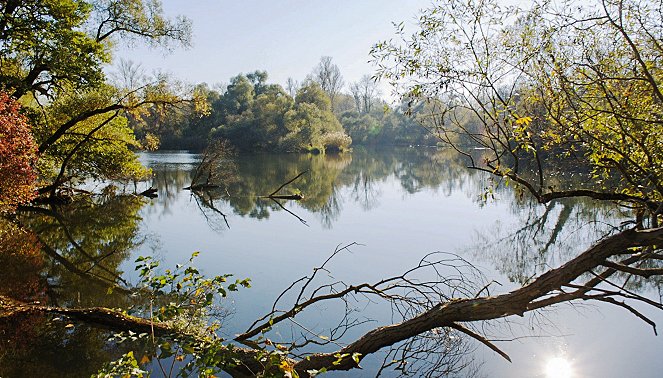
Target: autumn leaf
point(524, 121)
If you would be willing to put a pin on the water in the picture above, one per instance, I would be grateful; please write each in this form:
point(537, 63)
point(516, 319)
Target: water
point(397, 206)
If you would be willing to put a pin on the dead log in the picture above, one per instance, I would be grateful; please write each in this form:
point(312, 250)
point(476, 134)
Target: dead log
point(201, 187)
point(149, 193)
point(542, 292)
point(290, 197)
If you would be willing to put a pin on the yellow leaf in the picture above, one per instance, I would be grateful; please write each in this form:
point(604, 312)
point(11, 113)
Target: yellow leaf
point(524, 120)
point(285, 366)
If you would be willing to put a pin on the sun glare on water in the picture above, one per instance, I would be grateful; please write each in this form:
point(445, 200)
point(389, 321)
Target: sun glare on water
point(558, 367)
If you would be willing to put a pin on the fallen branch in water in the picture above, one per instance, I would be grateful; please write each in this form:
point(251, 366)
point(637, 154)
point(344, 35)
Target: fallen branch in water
point(295, 197)
point(435, 310)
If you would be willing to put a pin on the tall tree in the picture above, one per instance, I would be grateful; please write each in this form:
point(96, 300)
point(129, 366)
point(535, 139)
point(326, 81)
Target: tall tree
point(364, 93)
point(328, 76)
point(547, 89)
point(292, 86)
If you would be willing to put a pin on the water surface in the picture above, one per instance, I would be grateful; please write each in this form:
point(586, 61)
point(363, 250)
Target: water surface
point(397, 205)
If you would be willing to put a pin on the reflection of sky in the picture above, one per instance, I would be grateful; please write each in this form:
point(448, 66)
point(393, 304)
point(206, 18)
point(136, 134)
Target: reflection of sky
point(395, 233)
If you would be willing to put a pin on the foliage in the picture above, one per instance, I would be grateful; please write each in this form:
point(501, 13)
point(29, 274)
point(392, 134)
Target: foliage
point(44, 46)
point(186, 293)
point(18, 154)
point(254, 115)
point(336, 141)
point(52, 56)
point(555, 87)
point(98, 147)
point(49, 44)
point(184, 299)
point(124, 367)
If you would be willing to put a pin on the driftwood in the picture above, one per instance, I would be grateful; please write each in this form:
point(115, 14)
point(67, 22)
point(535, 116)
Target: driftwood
point(201, 187)
point(293, 197)
point(548, 289)
point(149, 193)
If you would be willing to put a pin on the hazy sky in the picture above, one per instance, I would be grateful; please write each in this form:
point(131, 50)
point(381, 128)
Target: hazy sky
point(285, 37)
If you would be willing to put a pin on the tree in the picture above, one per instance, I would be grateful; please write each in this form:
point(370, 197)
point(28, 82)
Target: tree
point(46, 44)
point(18, 155)
point(311, 121)
point(328, 76)
point(314, 94)
point(56, 50)
point(364, 93)
point(292, 86)
point(538, 97)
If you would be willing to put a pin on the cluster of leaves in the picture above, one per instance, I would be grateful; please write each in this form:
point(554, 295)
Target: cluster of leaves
point(44, 46)
point(185, 300)
point(97, 147)
point(125, 367)
point(183, 293)
point(18, 155)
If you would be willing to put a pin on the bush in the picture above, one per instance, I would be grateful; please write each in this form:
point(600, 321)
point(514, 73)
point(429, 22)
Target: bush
point(336, 142)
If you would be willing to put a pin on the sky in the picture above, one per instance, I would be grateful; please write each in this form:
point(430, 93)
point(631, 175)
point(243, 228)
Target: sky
point(286, 38)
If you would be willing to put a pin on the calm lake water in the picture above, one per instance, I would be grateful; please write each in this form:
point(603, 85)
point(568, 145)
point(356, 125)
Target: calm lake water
point(397, 205)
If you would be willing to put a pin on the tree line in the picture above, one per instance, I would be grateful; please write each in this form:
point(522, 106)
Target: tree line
point(254, 115)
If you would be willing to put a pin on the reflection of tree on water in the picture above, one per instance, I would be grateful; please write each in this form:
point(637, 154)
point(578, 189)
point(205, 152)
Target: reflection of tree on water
point(66, 255)
point(44, 346)
point(85, 243)
point(544, 236)
point(322, 187)
point(169, 179)
point(22, 263)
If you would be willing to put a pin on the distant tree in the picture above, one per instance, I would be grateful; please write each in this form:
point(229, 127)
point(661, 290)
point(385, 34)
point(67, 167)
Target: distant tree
point(344, 103)
point(18, 155)
point(328, 76)
point(130, 75)
point(313, 93)
point(258, 79)
point(292, 86)
point(364, 92)
point(239, 96)
point(310, 121)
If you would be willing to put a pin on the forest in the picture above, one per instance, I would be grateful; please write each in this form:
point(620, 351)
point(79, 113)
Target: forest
point(556, 105)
